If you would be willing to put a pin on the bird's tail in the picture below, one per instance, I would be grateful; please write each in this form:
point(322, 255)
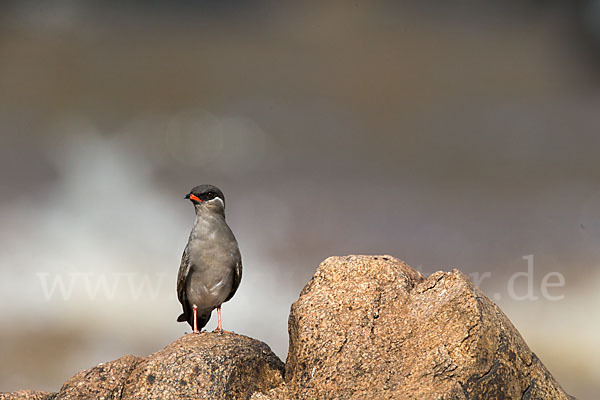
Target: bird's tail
point(201, 318)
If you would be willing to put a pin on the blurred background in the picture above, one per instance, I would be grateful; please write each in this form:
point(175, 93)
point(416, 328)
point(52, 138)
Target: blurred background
point(448, 134)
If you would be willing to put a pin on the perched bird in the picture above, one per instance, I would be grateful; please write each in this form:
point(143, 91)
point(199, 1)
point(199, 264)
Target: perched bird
point(211, 265)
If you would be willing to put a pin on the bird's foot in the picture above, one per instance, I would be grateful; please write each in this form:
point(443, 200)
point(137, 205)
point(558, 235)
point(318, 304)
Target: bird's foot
point(221, 331)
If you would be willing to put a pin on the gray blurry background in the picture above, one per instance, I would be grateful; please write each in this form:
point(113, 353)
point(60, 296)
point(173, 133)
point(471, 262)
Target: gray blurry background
point(448, 134)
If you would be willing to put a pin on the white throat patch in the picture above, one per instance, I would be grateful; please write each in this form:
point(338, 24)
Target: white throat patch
point(215, 200)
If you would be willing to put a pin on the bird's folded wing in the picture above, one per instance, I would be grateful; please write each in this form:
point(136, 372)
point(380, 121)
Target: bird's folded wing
point(237, 277)
point(184, 269)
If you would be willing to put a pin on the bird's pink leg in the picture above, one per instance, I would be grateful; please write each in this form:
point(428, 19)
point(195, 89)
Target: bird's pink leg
point(219, 326)
point(195, 319)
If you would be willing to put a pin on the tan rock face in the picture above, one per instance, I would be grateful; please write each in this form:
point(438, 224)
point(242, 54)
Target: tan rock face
point(27, 395)
point(205, 366)
point(368, 327)
point(209, 366)
point(104, 381)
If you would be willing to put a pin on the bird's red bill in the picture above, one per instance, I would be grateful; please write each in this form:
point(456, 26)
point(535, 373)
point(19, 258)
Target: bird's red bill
point(194, 197)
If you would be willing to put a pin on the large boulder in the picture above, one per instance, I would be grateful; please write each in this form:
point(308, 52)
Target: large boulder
point(371, 327)
point(204, 366)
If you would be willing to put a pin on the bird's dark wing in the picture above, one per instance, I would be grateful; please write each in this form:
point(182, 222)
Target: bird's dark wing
point(237, 278)
point(184, 269)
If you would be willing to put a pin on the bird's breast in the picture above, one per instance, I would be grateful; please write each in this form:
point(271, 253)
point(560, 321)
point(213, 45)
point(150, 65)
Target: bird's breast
point(213, 257)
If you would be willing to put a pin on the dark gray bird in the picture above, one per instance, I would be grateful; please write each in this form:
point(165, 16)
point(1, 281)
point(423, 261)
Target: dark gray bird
point(211, 265)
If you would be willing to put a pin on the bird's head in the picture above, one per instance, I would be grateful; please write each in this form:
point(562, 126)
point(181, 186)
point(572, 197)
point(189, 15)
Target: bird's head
point(207, 198)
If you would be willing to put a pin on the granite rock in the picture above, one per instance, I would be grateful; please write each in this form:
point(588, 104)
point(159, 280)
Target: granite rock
point(371, 327)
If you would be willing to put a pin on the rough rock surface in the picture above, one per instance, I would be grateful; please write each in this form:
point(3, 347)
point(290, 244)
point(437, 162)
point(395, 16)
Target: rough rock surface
point(105, 380)
point(208, 365)
point(27, 395)
point(371, 327)
point(205, 366)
